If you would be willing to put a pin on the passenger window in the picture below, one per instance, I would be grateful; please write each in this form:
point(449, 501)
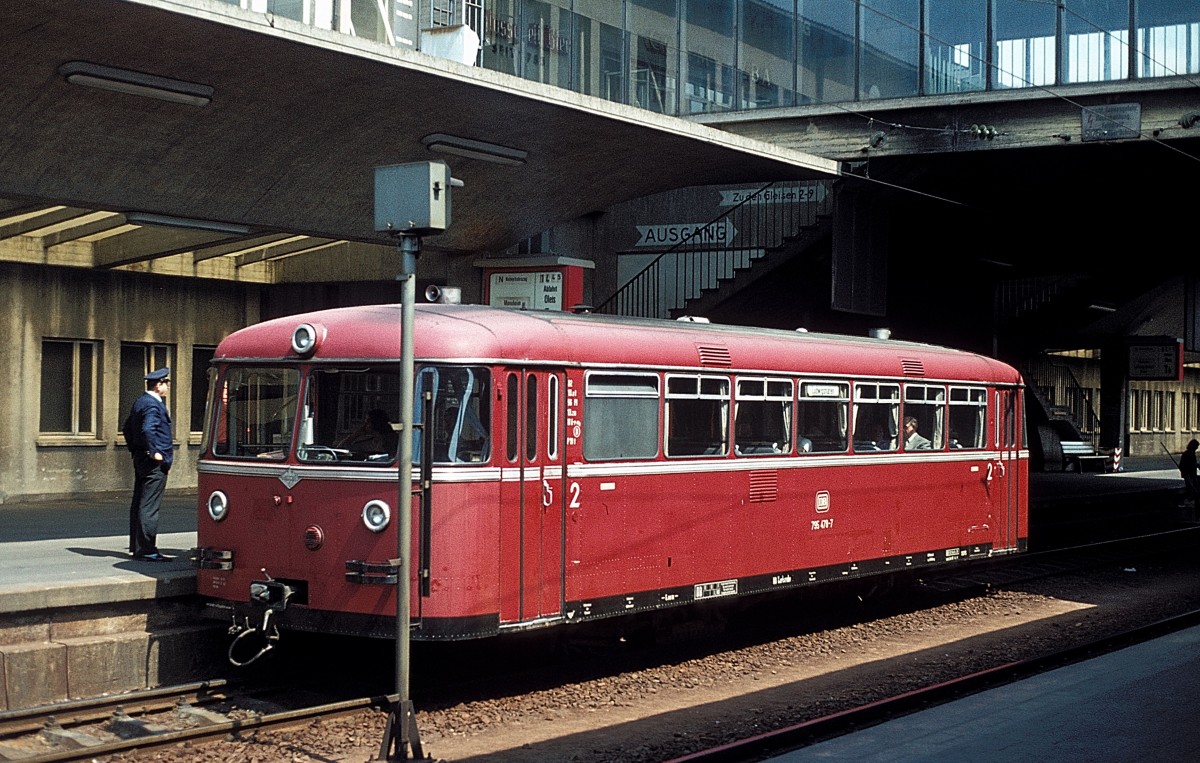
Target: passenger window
point(968, 417)
point(763, 417)
point(620, 416)
point(822, 421)
point(876, 417)
point(924, 417)
point(697, 416)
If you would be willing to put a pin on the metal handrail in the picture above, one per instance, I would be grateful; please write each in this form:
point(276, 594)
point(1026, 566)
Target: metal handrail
point(706, 257)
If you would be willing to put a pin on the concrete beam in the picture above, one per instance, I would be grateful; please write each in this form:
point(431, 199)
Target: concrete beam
point(283, 249)
point(21, 225)
point(150, 243)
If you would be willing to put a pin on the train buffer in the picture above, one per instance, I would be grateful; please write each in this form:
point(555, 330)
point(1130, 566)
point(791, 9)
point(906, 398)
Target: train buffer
point(1079, 455)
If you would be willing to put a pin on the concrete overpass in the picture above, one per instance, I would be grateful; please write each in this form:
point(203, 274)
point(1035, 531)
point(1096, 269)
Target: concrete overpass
point(275, 149)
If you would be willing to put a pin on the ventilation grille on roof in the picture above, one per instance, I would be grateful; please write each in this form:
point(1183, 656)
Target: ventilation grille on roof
point(715, 356)
point(912, 367)
point(764, 486)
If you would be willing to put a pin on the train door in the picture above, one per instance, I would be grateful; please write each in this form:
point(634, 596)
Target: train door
point(1006, 481)
point(531, 511)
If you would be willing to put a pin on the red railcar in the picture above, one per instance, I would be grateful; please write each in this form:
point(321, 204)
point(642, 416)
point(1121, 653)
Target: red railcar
point(581, 466)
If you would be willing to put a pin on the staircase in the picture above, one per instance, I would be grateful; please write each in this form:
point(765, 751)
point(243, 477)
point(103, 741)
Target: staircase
point(773, 225)
point(1060, 410)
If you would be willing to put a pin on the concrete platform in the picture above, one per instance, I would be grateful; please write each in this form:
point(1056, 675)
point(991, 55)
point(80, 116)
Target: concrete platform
point(80, 618)
point(1132, 706)
point(75, 552)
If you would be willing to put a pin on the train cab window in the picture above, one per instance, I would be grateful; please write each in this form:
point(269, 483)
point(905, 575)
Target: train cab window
point(620, 416)
point(461, 412)
point(822, 417)
point(968, 417)
point(926, 404)
point(349, 414)
point(697, 416)
point(876, 417)
point(762, 417)
point(256, 411)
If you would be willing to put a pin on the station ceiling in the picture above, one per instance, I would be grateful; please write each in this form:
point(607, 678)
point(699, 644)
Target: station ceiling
point(279, 158)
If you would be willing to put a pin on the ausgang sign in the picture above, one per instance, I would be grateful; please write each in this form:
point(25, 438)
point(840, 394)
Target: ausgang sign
point(721, 233)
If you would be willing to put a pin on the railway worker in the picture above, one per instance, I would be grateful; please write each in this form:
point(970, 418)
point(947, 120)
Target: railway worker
point(1187, 470)
point(149, 439)
point(912, 438)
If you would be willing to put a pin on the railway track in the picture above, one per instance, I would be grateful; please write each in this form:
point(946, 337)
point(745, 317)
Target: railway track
point(190, 713)
point(195, 713)
point(985, 575)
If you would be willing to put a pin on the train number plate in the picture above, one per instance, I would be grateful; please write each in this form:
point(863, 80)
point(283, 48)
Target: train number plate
point(713, 590)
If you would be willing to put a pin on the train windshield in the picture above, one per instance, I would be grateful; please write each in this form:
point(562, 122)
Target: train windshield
point(256, 410)
point(349, 414)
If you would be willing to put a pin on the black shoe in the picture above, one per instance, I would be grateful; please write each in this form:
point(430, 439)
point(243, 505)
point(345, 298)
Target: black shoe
point(155, 557)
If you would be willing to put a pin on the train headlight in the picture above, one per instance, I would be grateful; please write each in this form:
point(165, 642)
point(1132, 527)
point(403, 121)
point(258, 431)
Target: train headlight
point(218, 505)
point(306, 337)
point(376, 515)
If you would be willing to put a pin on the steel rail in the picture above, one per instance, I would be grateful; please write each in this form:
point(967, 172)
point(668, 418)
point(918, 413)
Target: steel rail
point(213, 731)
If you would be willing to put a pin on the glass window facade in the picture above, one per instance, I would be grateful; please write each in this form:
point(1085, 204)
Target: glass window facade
point(699, 56)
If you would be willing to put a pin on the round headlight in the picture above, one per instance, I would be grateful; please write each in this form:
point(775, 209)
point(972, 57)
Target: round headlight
point(376, 515)
point(218, 505)
point(305, 339)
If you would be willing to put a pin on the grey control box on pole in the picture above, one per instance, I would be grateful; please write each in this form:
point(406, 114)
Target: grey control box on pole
point(412, 199)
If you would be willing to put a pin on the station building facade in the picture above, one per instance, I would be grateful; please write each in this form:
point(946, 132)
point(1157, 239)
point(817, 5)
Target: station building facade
point(84, 337)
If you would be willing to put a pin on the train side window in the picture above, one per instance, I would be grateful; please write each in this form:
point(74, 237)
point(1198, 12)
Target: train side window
point(876, 417)
point(968, 417)
point(762, 417)
point(620, 416)
point(927, 404)
point(461, 413)
point(822, 418)
point(697, 415)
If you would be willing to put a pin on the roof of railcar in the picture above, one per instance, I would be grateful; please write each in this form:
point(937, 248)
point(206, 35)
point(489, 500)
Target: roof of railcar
point(485, 334)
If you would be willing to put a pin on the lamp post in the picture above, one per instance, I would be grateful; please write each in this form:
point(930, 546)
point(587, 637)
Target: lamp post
point(411, 200)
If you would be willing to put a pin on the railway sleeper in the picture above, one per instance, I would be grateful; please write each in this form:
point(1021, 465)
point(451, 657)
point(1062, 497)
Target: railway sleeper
point(56, 735)
point(127, 727)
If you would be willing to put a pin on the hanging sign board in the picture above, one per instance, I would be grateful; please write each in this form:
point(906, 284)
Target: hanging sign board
point(545, 282)
point(1160, 361)
point(537, 290)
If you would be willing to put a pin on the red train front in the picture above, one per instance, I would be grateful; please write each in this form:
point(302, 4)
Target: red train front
point(579, 467)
